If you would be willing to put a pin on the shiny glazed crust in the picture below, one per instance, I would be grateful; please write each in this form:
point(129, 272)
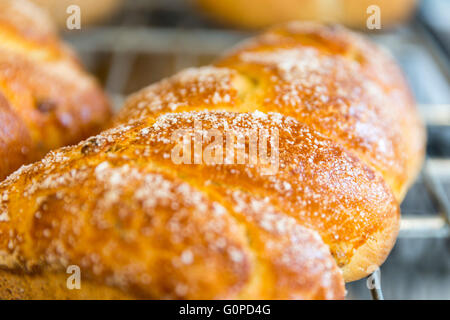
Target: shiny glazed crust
point(144, 226)
point(54, 101)
point(326, 77)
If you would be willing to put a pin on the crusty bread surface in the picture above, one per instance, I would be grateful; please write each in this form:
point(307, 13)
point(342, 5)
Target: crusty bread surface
point(349, 142)
point(254, 14)
point(42, 85)
point(92, 12)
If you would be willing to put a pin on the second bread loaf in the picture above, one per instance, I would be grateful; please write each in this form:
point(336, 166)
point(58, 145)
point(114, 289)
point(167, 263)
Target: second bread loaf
point(43, 86)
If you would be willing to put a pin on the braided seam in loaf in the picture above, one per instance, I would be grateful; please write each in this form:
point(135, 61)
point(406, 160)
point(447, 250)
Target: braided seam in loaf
point(133, 220)
point(262, 13)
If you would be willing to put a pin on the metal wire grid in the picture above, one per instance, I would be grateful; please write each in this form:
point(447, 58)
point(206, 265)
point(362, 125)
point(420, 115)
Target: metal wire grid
point(122, 47)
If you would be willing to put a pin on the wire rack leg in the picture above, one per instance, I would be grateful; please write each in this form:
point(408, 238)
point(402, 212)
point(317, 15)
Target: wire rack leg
point(374, 285)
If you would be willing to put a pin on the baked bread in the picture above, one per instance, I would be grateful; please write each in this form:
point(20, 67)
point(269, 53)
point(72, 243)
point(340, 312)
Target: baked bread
point(333, 80)
point(46, 99)
point(140, 224)
point(262, 13)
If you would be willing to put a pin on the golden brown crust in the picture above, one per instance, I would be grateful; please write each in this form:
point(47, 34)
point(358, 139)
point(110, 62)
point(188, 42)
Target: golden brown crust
point(15, 141)
point(27, 20)
point(262, 13)
point(134, 219)
point(24, 26)
point(142, 228)
point(316, 180)
point(343, 86)
point(55, 101)
point(52, 286)
point(327, 78)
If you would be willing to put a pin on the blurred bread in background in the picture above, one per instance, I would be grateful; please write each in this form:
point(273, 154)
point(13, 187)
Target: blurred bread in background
point(92, 11)
point(47, 99)
point(255, 14)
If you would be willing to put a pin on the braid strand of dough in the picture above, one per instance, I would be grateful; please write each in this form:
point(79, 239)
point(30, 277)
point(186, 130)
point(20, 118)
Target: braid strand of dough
point(140, 226)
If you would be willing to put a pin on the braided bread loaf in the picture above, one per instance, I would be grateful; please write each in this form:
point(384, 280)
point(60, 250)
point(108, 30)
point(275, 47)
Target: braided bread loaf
point(46, 99)
point(141, 225)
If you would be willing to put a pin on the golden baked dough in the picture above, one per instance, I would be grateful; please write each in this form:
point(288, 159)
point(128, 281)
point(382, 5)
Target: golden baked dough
point(262, 13)
point(53, 101)
point(141, 225)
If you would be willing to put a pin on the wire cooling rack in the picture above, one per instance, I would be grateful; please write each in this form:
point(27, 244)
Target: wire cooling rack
point(133, 52)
